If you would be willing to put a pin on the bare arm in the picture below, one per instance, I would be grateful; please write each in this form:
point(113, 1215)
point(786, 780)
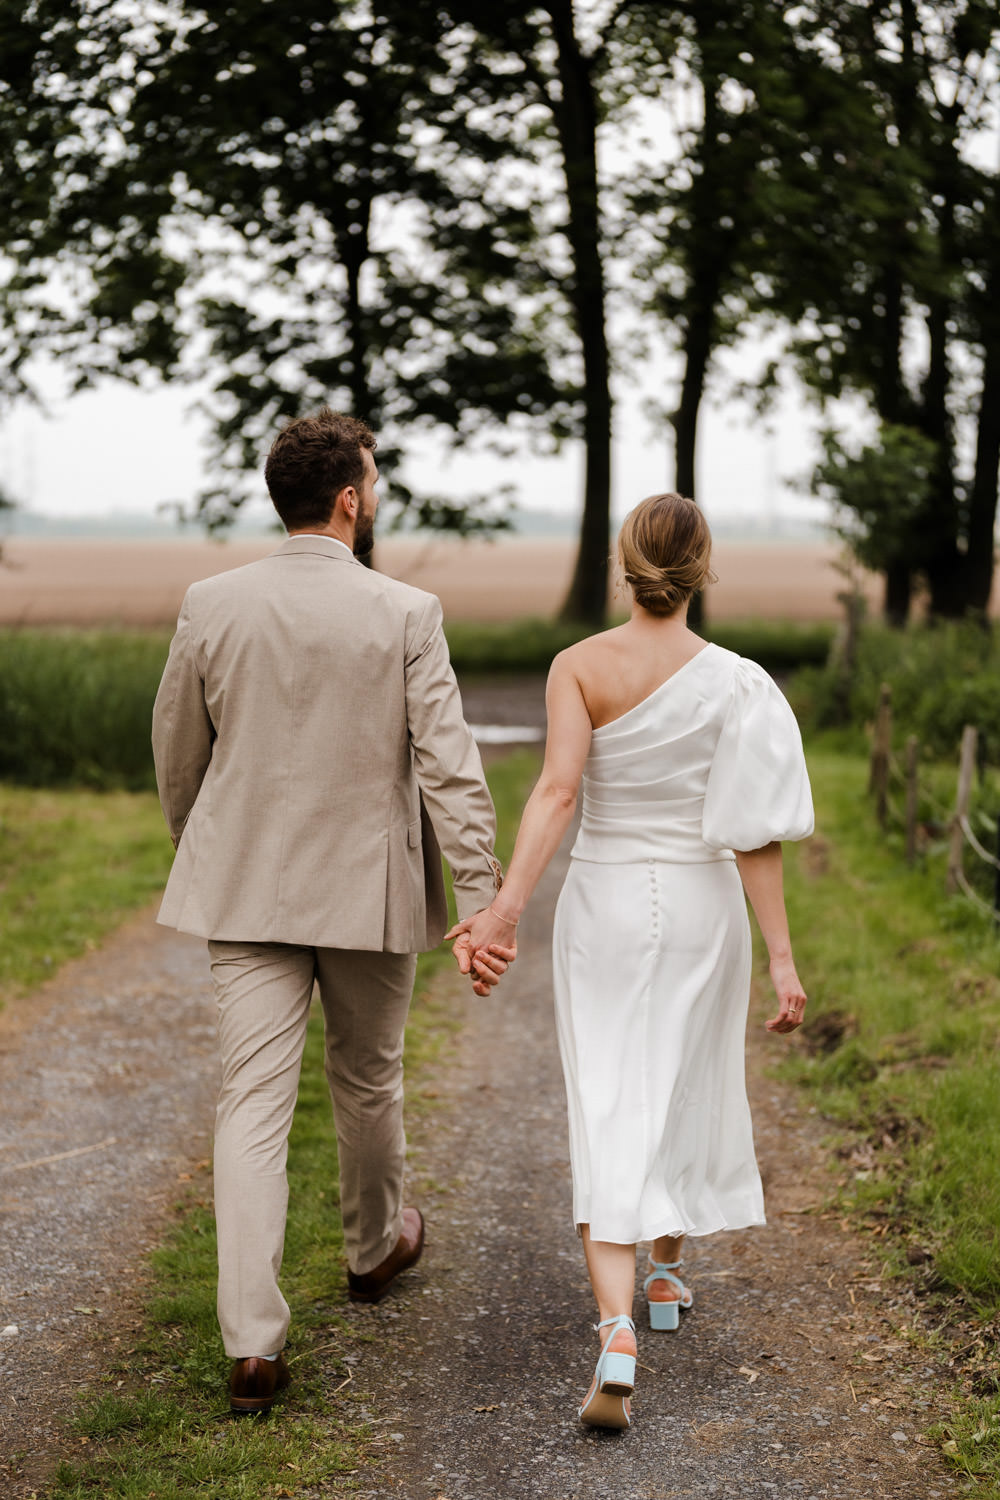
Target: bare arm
point(761, 873)
point(546, 817)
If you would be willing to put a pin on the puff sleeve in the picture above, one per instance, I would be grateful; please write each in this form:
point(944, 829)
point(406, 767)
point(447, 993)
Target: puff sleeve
point(758, 786)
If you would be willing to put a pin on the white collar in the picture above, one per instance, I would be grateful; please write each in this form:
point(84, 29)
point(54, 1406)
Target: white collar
point(323, 536)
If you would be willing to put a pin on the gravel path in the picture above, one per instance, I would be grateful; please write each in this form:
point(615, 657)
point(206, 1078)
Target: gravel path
point(785, 1379)
point(108, 1078)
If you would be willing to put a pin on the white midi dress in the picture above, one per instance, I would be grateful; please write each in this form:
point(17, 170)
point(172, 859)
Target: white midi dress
point(651, 949)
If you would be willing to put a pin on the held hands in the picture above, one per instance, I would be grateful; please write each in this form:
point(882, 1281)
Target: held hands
point(791, 997)
point(485, 946)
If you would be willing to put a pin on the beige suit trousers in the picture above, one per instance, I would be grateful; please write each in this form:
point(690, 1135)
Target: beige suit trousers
point(263, 992)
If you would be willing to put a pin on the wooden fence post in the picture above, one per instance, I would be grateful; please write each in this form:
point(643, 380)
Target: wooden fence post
point(878, 780)
point(912, 800)
point(966, 771)
point(996, 885)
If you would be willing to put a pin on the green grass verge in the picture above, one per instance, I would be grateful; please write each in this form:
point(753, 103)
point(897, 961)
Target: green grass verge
point(73, 864)
point(161, 1426)
point(901, 1052)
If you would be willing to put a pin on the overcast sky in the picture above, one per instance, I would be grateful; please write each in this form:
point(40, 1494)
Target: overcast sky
point(119, 449)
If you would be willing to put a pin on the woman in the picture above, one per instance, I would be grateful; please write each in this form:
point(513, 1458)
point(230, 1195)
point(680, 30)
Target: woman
point(687, 753)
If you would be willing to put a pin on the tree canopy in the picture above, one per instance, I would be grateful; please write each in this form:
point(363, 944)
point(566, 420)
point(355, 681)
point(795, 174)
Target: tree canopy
point(408, 211)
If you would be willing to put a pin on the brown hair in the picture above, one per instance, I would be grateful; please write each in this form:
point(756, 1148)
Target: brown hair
point(665, 548)
point(311, 461)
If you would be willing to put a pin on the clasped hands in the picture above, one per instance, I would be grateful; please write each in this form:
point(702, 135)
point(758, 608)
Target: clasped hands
point(484, 947)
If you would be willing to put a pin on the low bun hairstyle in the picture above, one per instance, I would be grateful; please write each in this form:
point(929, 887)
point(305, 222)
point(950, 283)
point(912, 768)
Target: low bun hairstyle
point(665, 549)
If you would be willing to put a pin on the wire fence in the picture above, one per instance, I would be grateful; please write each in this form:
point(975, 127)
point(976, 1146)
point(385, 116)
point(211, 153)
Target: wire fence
point(889, 778)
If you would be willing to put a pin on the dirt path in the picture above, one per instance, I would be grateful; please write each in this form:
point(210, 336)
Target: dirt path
point(784, 1380)
point(107, 1078)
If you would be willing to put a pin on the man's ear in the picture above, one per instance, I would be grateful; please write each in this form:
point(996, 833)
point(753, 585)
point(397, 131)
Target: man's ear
point(347, 500)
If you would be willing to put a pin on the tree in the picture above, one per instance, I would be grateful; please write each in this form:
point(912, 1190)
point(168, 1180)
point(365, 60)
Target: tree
point(698, 219)
point(285, 252)
point(886, 281)
point(881, 493)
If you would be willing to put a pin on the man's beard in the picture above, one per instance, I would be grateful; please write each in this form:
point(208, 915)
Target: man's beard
point(364, 534)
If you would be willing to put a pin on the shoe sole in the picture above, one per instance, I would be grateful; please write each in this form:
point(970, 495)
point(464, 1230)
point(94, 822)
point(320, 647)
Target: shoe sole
point(369, 1298)
point(247, 1407)
point(606, 1410)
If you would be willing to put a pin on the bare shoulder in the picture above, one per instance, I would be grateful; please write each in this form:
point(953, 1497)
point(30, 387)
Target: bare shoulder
point(593, 659)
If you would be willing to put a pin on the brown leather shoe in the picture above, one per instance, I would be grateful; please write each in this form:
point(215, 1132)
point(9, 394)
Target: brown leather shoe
point(254, 1383)
point(373, 1285)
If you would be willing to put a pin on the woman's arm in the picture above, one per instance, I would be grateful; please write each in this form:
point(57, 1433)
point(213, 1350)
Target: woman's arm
point(761, 873)
point(547, 814)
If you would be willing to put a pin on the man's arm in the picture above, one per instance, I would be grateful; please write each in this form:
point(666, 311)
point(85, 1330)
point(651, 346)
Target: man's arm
point(448, 766)
point(182, 730)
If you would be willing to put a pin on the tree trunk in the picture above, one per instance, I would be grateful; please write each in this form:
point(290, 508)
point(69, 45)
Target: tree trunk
point(981, 534)
point(697, 352)
point(705, 278)
point(898, 594)
point(354, 249)
point(576, 123)
point(945, 564)
point(980, 557)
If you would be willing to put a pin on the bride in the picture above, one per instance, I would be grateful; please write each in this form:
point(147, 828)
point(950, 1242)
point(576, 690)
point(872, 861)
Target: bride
point(692, 771)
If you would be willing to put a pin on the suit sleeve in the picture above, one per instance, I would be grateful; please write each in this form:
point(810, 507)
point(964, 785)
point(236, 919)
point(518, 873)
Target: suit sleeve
point(448, 766)
point(183, 734)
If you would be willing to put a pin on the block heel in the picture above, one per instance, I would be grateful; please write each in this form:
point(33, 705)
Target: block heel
point(664, 1317)
point(665, 1313)
point(613, 1383)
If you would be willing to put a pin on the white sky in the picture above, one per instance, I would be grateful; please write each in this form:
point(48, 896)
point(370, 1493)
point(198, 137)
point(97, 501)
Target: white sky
point(122, 449)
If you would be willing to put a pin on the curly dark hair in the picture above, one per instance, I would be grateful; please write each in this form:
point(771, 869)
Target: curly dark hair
point(311, 461)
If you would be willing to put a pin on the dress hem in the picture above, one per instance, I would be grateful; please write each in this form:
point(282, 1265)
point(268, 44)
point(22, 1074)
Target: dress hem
point(673, 1233)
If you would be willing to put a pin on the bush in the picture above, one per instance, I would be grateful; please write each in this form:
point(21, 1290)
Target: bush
point(529, 645)
point(942, 678)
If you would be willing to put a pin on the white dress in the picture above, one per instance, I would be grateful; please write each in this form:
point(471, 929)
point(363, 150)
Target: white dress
point(652, 949)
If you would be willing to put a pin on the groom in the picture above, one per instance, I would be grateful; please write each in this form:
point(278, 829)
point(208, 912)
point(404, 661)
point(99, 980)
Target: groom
point(313, 762)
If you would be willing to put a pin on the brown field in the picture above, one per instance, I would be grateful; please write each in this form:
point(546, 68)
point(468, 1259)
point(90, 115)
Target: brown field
point(87, 581)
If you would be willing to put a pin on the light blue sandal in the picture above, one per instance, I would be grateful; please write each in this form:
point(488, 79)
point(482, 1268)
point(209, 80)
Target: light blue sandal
point(614, 1380)
point(665, 1317)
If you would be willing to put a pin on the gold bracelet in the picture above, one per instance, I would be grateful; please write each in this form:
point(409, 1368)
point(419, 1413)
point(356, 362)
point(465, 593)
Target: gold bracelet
point(508, 921)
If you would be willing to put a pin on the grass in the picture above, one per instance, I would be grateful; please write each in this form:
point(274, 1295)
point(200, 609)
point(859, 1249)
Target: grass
point(73, 864)
point(906, 1016)
point(76, 706)
point(161, 1426)
point(902, 1054)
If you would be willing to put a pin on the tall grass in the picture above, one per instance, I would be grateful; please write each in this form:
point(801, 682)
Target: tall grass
point(75, 707)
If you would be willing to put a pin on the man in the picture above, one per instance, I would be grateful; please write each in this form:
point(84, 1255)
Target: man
point(312, 762)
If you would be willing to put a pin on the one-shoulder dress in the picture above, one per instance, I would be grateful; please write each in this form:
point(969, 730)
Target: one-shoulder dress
point(651, 949)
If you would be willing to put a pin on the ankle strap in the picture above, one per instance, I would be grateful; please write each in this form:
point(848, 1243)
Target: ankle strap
point(622, 1321)
point(665, 1265)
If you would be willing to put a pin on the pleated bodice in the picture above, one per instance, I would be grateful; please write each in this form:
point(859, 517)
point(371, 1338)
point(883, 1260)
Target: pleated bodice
point(710, 762)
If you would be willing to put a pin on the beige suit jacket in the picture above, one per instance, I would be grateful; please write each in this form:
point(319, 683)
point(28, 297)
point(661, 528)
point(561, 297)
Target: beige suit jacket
point(313, 761)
